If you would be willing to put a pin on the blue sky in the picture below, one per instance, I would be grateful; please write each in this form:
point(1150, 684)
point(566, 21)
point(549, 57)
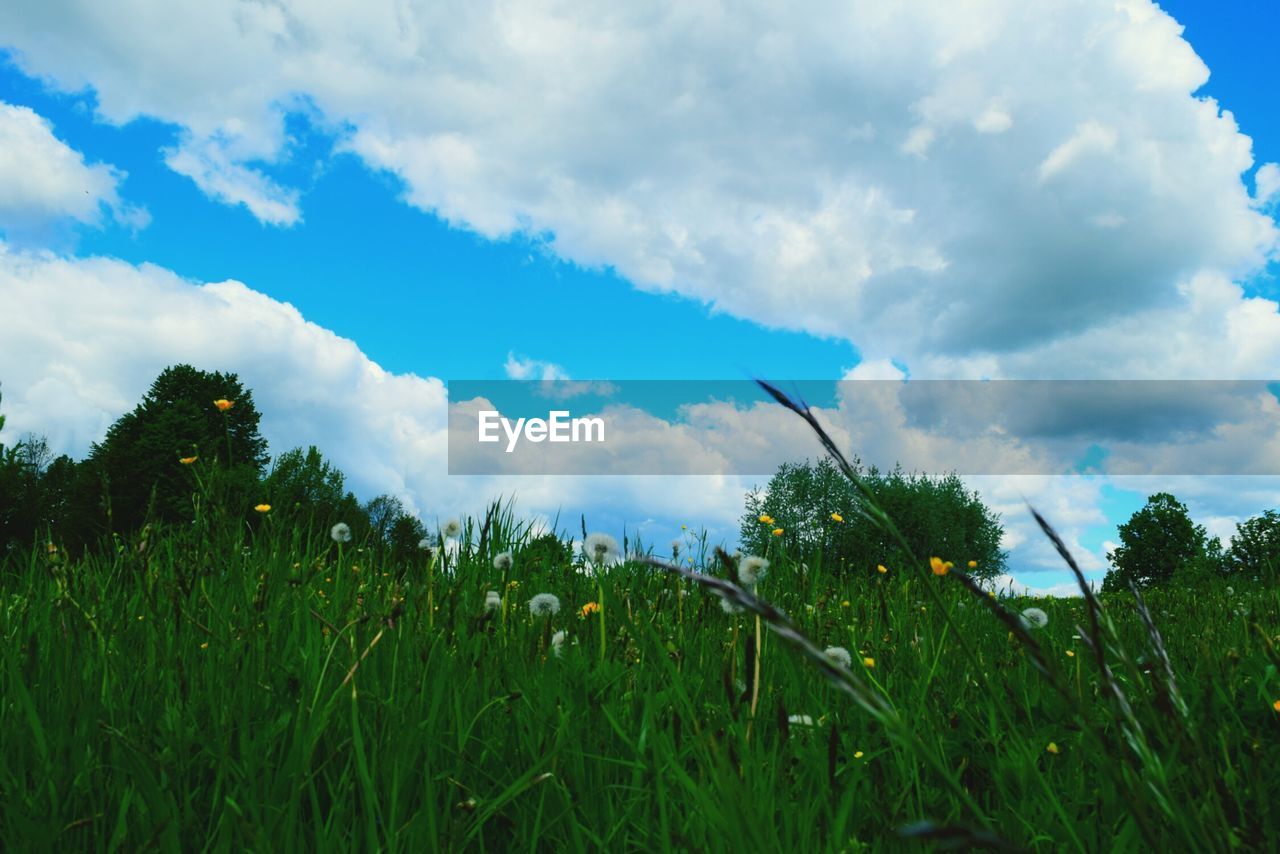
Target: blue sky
point(822, 209)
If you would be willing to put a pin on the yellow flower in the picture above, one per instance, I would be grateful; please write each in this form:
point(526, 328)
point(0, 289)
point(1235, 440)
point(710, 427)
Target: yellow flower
point(881, 568)
point(973, 564)
point(857, 754)
point(869, 661)
point(940, 567)
point(262, 508)
point(223, 404)
point(186, 461)
point(836, 517)
point(1071, 653)
point(766, 519)
point(1053, 748)
point(1276, 705)
point(204, 645)
point(777, 532)
point(590, 608)
point(844, 604)
point(51, 548)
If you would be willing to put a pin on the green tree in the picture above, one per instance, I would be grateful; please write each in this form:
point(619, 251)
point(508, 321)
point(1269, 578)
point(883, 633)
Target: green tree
point(1159, 541)
point(1255, 548)
point(138, 460)
point(936, 516)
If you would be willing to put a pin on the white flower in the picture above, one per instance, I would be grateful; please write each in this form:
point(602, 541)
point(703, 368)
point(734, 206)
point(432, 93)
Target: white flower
point(544, 605)
point(492, 600)
point(502, 561)
point(800, 720)
point(451, 529)
point(1034, 618)
point(750, 568)
point(600, 549)
point(340, 533)
point(1231, 591)
point(557, 642)
point(425, 544)
point(840, 656)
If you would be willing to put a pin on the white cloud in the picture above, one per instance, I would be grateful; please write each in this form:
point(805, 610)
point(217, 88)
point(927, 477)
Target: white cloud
point(208, 164)
point(1065, 176)
point(42, 179)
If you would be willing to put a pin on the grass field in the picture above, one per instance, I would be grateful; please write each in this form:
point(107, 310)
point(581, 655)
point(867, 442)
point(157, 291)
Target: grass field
point(279, 691)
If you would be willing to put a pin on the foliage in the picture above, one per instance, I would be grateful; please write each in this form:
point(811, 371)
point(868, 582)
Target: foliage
point(936, 515)
point(1255, 548)
point(138, 460)
point(1159, 541)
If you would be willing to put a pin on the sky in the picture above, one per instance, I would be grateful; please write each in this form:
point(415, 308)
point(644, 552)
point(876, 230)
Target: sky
point(352, 205)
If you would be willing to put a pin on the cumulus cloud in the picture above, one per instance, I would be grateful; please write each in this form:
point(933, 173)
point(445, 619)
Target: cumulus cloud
point(42, 179)
point(969, 187)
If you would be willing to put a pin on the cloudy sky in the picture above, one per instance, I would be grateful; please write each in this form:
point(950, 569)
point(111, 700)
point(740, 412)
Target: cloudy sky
point(351, 204)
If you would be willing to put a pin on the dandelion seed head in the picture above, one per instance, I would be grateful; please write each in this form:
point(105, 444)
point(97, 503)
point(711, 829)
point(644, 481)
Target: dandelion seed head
point(544, 605)
point(492, 600)
point(451, 529)
point(502, 561)
point(839, 655)
point(751, 569)
point(557, 642)
point(729, 607)
point(1034, 618)
point(600, 549)
point(340, 533)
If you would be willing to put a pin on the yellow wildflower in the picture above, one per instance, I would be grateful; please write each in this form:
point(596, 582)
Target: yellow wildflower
point(857, 754)
point(836, 517)
point(939, 566)
point(262, 508)
point(1053, 748)
point(766, 519)
point(223, 404)
point(590, 608)
point(777, 532)
point(869, 661)
point(186, 461)
point(881, 568)
point(973, 564)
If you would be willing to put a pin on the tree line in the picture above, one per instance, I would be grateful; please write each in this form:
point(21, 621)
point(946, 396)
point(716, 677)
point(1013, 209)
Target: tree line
point(193, 437)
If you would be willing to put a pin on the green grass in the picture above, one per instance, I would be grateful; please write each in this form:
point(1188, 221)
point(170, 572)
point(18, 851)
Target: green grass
point(216, 689)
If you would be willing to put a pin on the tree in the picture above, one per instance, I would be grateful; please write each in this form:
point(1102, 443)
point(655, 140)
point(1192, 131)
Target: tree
point(936, 516)
point(1255, 548)
point(138, 460)
point(1157, 542)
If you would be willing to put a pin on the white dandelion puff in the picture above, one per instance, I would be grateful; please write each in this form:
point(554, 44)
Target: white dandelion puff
point(1034, 618)
point(492, 600)
point(340, 533)
point(750, 570)
point(502, 561)
point(557, 642)
point(840, 656)
point(600, 549)
point(675, 549)
point(544, 605)
point(729, 607)
point(451, 529)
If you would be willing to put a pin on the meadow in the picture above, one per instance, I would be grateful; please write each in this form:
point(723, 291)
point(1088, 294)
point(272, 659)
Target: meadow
point(278, 688)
